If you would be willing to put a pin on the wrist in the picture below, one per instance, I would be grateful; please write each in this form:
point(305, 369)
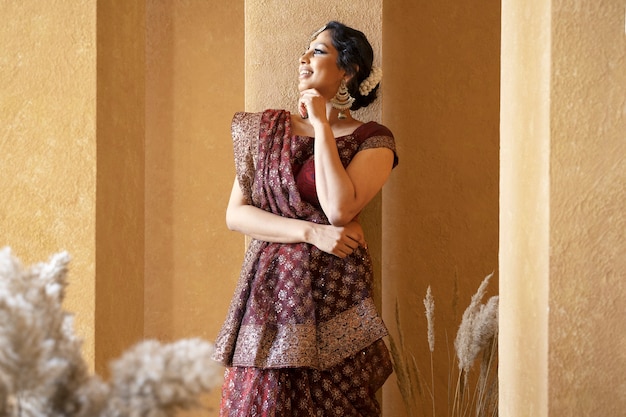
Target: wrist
point(308, 232)
point(320, 125)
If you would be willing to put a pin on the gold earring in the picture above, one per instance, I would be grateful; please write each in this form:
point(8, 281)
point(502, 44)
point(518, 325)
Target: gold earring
point(342, 100)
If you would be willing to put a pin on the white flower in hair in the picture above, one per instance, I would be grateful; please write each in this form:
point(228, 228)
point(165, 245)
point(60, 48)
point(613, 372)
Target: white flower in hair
point(368, 84)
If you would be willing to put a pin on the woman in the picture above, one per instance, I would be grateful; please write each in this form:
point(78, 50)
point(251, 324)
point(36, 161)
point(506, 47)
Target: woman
point(302, 336)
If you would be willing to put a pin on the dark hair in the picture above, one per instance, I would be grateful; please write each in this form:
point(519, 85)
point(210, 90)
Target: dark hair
point(356, 57)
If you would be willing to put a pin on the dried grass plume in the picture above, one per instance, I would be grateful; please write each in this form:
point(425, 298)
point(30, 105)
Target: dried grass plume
point(429, 304)
point(478, 327)
point(42, 372)
point(477, 335)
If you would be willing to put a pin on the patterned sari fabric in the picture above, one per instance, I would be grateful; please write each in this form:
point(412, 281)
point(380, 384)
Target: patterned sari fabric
point(302, 336)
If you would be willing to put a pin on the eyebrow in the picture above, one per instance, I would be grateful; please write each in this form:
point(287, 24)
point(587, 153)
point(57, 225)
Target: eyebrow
point(319, 44)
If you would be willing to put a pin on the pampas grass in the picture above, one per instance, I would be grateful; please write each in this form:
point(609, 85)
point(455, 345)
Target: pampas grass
point(42, 372)
point(429, 305)
point(477, 333)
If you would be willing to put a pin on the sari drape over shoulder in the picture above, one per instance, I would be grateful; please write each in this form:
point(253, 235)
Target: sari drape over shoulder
point(295, 306)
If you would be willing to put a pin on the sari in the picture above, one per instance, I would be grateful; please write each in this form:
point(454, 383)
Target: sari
point(302, 336)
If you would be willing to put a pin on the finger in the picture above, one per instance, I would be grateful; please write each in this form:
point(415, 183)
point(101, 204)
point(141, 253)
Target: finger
point(355, 241)
point(303, 111)
point(352, 244)
point(349, 249)
point(341, 251)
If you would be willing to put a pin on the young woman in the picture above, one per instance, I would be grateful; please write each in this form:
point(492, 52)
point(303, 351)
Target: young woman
point(302, 336)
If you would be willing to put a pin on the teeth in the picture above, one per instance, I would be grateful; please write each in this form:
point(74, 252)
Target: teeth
point(305, 73)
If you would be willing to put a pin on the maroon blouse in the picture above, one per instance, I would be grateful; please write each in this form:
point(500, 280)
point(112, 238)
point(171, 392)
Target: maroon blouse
point(305, 173)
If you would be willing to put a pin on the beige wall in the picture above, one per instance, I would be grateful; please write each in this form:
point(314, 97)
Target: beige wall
point(120, 194)
point(139, 181)
point(194, 85)
point(587, 344)
point(48, 142)
point(562, 215)
point(440, 223)
point(170, 74)
point(525, 208)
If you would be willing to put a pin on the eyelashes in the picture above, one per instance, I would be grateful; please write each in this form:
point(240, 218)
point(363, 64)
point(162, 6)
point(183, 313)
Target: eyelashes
point(316, 51)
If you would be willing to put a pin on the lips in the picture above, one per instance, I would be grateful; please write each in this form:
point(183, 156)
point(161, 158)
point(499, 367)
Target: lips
point(304, 72)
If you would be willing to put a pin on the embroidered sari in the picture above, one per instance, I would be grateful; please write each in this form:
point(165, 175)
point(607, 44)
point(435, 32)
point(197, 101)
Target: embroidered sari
point(302, 336)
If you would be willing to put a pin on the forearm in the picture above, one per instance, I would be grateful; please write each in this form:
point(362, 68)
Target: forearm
point(335, 189)
point(268, 227)
point(262, 225)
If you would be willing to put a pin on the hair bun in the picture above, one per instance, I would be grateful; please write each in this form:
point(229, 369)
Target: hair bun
point(368, 84)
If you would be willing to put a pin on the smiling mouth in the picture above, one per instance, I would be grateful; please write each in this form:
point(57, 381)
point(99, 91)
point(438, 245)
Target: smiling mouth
point(305, 73)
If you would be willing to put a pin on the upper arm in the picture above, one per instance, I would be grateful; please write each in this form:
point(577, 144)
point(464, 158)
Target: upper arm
point(236, 200)
point(368, 171)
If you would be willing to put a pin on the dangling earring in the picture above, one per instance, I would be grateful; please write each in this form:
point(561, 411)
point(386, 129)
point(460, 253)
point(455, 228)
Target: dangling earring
point(342, 100)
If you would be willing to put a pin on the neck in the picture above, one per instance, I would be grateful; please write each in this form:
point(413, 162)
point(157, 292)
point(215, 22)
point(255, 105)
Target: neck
point(333, 114)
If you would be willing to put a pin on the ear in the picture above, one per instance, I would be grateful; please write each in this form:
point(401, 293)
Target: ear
point(350, 75)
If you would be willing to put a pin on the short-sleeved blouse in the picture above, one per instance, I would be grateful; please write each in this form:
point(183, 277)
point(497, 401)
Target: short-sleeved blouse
point(366, 136)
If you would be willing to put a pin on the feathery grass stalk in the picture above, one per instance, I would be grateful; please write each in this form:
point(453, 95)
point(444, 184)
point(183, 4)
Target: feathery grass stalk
point(403, 373)
point(488, 381)
point(429, 305)
point(477, 333)
point(42, 372)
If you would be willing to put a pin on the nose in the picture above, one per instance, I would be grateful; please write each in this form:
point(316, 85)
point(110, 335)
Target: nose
point(304, 58)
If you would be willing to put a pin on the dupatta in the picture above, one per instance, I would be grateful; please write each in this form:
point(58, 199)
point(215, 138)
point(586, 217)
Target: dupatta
point(294, 305)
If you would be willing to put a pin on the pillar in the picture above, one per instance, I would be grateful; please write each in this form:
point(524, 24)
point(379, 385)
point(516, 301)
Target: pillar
point(119, 235)
point(562, 196)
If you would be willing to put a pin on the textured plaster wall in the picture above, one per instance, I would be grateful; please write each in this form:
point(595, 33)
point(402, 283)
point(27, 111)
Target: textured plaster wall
point(194, 84)
point(120, 179)
point(47, 142)
point(587, 345)
point(440, 222)
point(525, 207)
point(563, 191)
point(168, 78)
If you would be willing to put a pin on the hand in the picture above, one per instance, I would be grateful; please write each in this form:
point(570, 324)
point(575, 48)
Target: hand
point(312, 105)
point(339, 241)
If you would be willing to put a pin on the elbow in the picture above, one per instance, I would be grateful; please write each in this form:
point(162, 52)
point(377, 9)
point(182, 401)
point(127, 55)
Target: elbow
point(340, 218)
point(340, 212)
point(229, 224)
point(231, 218)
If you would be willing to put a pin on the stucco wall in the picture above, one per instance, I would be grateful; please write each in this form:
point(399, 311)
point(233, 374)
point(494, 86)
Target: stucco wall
point(525, 208)
point(163, 125)
point(120, 179)
point(587, 343)
point(440, 222)
point(563, 191)
point(192, 260)
point(48, 142)
point(194, 85)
